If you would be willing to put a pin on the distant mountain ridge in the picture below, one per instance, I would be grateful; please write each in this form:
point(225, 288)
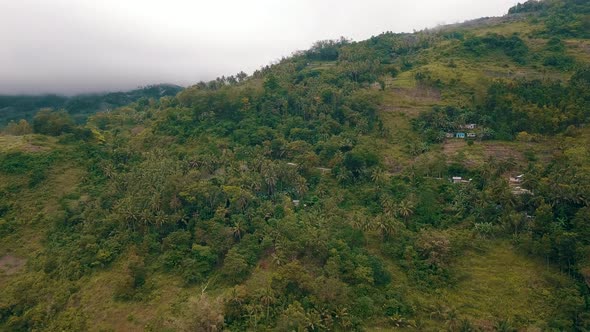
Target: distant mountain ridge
point(16, 107)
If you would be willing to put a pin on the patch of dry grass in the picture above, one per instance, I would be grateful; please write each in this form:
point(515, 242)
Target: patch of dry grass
point(499, 283)
point(27, 143)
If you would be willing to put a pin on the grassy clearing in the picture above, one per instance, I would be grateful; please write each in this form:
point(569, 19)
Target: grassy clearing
point(35, 206)
point(494, 283)
point(520, 153)
point(404, 80)
point(319, 65)
point(27, 143)
point(579, 49)
point(509, 27)
point(8, 143)
point(498, 283)
point(391, 146)
point(157, 311)
point(476, 155)
point(44, 199)
point(396, 114)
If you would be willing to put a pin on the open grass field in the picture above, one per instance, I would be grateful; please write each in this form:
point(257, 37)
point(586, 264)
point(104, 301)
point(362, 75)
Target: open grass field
point(497, 283)
point(29, 143)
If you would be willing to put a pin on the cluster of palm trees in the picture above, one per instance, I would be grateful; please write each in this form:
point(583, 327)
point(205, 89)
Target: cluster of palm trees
point(387, 224)
point(160, 186)
point(265, 303)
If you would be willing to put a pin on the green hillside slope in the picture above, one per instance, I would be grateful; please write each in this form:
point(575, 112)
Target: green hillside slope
point(14, 108)
point(332, 191)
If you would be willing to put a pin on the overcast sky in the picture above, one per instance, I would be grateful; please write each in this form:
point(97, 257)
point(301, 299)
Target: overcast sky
point(74, 46)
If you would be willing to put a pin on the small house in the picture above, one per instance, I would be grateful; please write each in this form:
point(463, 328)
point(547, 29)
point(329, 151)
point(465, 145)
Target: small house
point(460, 135)
point(458, 179)
point(450, 135)
point(517, 179)
point(324, 170)
point(521, 191)
point(470, 126)
point(471, 135)
point(296, 202)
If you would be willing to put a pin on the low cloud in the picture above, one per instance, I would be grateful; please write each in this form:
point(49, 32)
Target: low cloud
point(74, 46)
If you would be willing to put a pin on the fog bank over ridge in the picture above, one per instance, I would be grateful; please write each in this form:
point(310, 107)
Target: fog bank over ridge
point(78, 46)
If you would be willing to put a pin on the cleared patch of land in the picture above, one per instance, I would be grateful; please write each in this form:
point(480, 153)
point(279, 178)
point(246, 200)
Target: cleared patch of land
point(27, 143)
point(10, 264)
point(457, 150)
point(498, 283)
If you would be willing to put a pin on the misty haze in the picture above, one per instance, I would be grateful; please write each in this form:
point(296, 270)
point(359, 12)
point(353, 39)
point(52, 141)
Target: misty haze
point(71, 46)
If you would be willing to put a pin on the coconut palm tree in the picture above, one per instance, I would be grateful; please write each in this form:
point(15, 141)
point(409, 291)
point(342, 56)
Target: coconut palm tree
point(386, 226)
point(358, 221)
point(327, 319)
point(342, 316)
point(344, 175)
point(300, 186)
point(253, 313)
point(405, 209)
point(452, 321)
point(388, 205)
point(313, 321)
point(270, 177)
point(238, 229)
point(267, 297)
point(378, 176)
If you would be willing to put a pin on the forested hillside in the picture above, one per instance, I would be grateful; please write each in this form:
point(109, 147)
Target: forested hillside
point(15, 108)
point(438, 180)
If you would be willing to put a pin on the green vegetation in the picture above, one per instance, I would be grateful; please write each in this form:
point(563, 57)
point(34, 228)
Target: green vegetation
point(517, 106)
point(14, 108)
point(315, 194)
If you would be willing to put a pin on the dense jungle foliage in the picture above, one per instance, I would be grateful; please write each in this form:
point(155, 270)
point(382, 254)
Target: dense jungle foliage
point(318, 194)
point(79, 107)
